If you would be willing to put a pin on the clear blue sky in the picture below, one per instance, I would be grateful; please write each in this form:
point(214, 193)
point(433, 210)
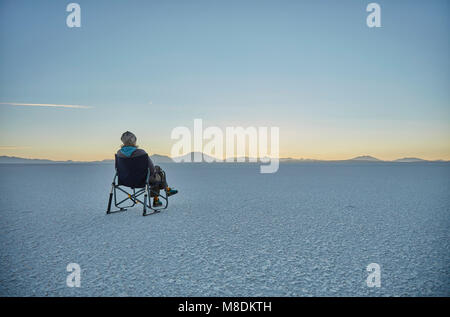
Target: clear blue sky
point(335, 87)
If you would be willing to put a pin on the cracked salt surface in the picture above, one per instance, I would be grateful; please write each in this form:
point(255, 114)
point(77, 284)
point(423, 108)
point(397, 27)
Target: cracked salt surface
point(309, 230)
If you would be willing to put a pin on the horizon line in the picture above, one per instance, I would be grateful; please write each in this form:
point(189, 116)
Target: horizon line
point(370, 158)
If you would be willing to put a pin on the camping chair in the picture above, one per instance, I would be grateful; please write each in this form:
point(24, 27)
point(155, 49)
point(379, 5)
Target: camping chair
point(134, 173)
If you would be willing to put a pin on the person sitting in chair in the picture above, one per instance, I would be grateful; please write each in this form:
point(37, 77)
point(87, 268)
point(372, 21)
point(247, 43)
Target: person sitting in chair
point(157, 176)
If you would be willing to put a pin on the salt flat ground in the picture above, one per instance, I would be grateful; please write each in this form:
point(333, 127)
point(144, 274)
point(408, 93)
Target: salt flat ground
point(309, 230)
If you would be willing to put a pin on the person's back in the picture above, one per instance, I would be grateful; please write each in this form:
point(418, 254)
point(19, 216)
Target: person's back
point(130, 149)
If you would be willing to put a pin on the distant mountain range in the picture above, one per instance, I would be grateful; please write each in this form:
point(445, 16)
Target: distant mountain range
point(411, 159)
point(190, 157)
point(157, 159)
point(366, 158)
point(19, 160)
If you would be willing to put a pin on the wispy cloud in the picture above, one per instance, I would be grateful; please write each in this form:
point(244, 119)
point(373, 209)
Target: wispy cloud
point(44, 105)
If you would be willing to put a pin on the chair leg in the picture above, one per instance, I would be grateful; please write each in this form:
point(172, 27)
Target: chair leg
point(144, 212)
point(109, 201)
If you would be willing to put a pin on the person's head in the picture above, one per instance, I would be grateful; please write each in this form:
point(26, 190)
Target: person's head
point(128, 139)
